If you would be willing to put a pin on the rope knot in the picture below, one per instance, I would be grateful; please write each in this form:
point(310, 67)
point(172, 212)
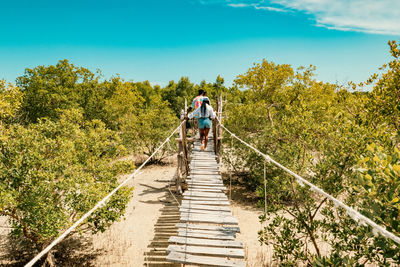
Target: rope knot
point(267, 158)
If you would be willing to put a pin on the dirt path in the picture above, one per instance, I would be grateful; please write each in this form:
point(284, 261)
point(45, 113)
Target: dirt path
point(256, 255)
point(125, 242)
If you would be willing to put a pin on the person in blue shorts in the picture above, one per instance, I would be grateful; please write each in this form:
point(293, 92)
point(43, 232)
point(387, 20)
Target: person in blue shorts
point(205, 113)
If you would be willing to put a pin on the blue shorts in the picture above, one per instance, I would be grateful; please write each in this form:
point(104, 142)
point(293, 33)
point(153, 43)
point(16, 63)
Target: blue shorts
point(204, 123)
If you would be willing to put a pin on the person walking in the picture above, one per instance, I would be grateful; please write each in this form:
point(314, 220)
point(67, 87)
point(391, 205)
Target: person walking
point(205, 113)
point(196, 103)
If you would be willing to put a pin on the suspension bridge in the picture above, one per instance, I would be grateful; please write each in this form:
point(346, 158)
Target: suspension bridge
point(204, 233)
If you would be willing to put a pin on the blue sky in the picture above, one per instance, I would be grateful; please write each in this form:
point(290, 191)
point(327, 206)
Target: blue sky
point(161, 41)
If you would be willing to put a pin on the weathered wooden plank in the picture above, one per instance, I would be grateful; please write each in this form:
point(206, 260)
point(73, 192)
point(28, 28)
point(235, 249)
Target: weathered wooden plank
point(207, 232)
point(199, 157)
point(204, 186)
point(203, 260)
point(205, 175)
point(209, 215)
point(214, 251)
point(208, 169)
point(205, 242)
point(205, 180)
point(204, 163)
point(204, 172)
point(201, 211)
point(205, 207)
point(204, 194)
point(205, 236)
point(204, 183)
point(206, 202)
point(197, 198)
point(206, 218)
point(208, 165)
point(216, 187)
point(202, 176)
point(208, 227)
point(205, 190)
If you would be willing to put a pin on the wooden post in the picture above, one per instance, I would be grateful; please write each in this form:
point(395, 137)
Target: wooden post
point(219, 129)
point(215, 133)
point(184, 142)
point(185, 150)
point(179, 171)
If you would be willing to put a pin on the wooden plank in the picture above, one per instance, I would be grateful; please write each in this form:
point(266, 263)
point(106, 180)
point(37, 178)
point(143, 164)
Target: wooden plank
point(206, 202)
point(204, 194)
point(202, 176)
point(205, 167)
point(208, 227)
point(209, 232)
point(192, 187)
point(205, 236)
point(205, 218)
point(197, 198)
point(205, 180)
point(205, 207)
point(204, 183)
point(227, 252)
point(208, 215)
point(191, 259)
point(204, 172)
point(205, 190)
point(205, 242)
point(203, 163)
point(201, 211)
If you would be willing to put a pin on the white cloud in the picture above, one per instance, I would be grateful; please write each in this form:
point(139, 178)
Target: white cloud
point(370, 16)
point(237, 5)
point(254, 4)
point(269, 8)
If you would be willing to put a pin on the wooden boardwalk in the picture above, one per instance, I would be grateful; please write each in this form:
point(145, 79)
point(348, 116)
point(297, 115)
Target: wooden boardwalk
point(206, 230)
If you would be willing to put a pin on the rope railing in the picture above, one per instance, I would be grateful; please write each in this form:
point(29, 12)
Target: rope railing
point(354, 214)
point(100, 203)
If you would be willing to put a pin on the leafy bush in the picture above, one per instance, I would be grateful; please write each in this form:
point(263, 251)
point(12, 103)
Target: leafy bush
point(51, 173)
point(319, 130)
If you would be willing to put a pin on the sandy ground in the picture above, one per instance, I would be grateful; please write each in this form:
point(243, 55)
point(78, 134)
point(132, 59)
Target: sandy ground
point(125, 242)
point(256, 255)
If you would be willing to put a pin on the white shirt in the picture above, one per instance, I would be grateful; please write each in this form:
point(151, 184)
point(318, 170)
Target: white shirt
point(209, 113)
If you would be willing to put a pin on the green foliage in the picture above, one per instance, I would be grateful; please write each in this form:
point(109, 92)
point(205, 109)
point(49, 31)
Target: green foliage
point(10, 101)
point(152, 125)
point(318, 130)
point(53, 172)
point(384, 100)
point(48, 89)
point(124, 101)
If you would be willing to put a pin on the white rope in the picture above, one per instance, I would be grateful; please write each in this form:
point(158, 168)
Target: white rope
point(354, 214)
point(265, 187)
point(230, 173)
point(98, 205)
